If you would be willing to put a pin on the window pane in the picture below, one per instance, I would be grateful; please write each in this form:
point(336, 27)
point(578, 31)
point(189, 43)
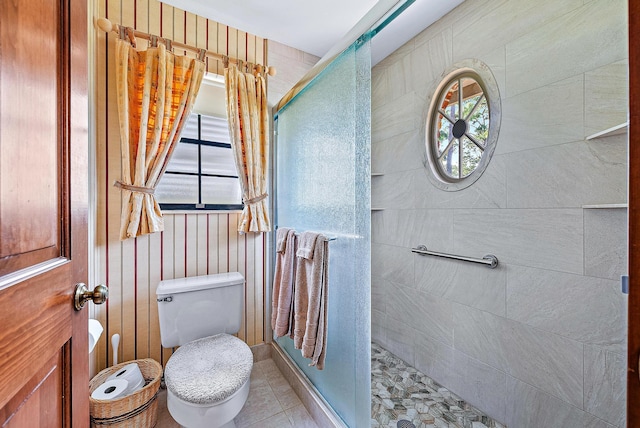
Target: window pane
point(449, 162)
point(220, 190)
point(177, 189)
point(190, 129)
point(450, 101)
point(443, 133)
point(214, 129)
point(478, 122)
point(184, 158)
point(218, 160)
point(471, 156)
point(471, 93)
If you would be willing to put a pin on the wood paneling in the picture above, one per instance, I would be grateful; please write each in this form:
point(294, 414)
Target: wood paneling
point(43, 388)
point(27, 240)
point(191, 244)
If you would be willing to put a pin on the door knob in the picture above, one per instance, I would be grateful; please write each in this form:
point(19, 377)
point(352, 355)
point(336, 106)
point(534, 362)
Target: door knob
point(99, 295)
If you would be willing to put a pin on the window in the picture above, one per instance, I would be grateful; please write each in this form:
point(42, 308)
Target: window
point(461, 129)
point(201, 174)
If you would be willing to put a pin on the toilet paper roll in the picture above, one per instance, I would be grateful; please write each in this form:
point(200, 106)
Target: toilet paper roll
point(95, 330)
point(131, 373)
point(133, 388)
point(110, 390)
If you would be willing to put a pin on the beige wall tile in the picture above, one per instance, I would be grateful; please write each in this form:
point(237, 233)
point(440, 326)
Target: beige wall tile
point(605, 240)
point(528, 406)
point(586, 38)
point(544, 238)
point(537, 119)
point(605, 385)
point(590, 310)
point(547, 361)
point(567, 175)
point(606, 97)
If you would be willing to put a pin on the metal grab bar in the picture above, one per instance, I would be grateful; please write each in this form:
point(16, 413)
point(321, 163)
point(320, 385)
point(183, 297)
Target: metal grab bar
point(490, 260)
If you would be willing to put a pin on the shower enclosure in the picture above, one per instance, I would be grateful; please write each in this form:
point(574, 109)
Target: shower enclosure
point(323, 183)
point(323, 154)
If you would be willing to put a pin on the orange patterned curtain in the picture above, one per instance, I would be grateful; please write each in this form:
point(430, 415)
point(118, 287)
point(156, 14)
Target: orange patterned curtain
point(249, 130)
point(156, 91)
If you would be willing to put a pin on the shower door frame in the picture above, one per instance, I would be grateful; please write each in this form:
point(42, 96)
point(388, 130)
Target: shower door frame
point(633, 350)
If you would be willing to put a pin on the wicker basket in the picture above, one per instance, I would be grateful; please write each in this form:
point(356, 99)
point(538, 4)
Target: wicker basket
point(138, 410)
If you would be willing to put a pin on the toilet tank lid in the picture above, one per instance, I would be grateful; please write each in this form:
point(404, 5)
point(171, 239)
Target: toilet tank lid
point(195, 283)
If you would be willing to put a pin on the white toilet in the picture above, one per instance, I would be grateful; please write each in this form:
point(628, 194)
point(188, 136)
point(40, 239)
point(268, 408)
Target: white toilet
point(207, 378)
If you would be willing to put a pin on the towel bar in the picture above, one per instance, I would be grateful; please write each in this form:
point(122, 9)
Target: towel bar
point(329, 237)
point(490, 260)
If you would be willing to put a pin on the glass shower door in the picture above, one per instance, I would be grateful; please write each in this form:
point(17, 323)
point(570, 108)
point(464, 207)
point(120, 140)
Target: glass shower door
point(323, 154)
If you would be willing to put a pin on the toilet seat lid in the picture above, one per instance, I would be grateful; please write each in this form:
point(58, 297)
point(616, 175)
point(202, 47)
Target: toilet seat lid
point(209, 370)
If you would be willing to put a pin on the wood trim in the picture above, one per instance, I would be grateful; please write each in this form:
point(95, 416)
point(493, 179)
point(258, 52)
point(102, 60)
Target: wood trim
point(78, 206)
point(52, 371)
point(633, 352)
point(11, 265)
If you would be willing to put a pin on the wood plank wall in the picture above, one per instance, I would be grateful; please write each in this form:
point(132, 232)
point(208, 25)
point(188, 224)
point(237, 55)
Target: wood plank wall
point(192, 244)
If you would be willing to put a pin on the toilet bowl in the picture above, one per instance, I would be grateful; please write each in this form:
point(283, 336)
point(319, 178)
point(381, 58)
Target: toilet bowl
point(207, 378)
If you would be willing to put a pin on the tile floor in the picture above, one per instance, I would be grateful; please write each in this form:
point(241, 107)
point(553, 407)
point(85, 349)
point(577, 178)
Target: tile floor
point(399, 391)
point(271, 403)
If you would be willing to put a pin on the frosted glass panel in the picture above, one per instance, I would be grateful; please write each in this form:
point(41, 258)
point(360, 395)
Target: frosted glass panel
point(323, 184)
point(218, 160)
point(177, 189)
point(214, 129)
point(184, 158)
point(190, 129)
point(221, 190)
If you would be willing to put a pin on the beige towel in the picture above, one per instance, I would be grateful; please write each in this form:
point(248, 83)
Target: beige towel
point(310, 298)
point(283, 281)
point(322, 253)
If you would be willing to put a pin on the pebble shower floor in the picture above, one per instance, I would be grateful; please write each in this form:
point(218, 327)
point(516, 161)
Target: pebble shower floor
point(400, 392)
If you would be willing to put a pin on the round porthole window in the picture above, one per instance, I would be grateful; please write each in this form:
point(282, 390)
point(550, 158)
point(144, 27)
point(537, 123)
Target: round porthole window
point(462, 125)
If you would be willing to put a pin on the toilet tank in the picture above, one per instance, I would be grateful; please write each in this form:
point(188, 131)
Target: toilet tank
point(200, 306)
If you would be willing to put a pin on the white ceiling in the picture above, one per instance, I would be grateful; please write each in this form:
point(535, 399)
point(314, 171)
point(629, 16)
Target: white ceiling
point(315, 26)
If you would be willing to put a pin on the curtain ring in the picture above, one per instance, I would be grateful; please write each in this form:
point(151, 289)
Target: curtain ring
point(154, 41)
point(225, 61)
point(122, 32)
point(132, 37)
point(240, 64)
point(168, 43)
point(201, 54)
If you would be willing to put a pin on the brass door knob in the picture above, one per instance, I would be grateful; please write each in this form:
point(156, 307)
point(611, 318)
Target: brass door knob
point(99, 295)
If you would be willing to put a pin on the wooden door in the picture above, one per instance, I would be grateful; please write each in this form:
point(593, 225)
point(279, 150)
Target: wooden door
point(43, 213)
point(633, 352)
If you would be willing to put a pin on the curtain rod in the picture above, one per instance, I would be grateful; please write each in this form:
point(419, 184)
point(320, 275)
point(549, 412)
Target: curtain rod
point(107, 26)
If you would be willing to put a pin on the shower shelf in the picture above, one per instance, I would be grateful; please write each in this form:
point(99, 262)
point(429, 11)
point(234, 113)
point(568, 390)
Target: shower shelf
point(604, 206)
point(614, 130)
point(377, 174)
